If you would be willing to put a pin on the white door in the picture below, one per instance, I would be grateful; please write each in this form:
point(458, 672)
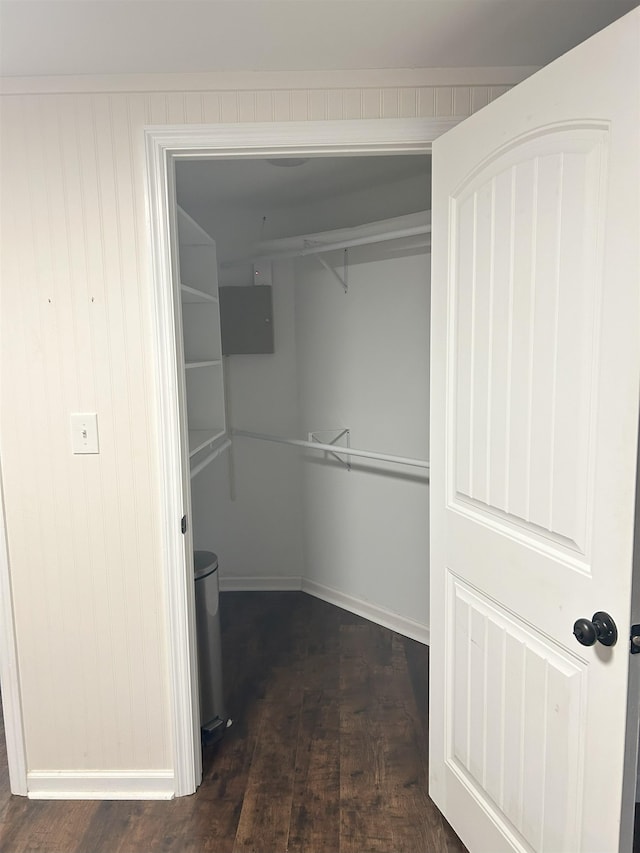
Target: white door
point(535, 376)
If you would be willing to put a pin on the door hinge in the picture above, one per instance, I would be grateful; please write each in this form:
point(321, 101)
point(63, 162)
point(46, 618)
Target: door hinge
point(183, 524)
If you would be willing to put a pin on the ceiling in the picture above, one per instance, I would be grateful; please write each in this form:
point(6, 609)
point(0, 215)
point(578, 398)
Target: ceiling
point(58, 37)
point(260, 184)
point(240, 202)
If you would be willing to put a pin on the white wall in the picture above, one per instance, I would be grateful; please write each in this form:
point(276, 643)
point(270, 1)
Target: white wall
point(259, 534)
point(76, 334)
point(363, 363)
point(359, 360)
point(83, 533)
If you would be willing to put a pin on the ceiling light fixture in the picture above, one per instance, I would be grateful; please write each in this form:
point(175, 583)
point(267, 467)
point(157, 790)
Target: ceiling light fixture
point(289, 161)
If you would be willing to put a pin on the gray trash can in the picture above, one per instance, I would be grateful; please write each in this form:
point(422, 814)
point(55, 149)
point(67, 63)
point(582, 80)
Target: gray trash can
point(212, 712)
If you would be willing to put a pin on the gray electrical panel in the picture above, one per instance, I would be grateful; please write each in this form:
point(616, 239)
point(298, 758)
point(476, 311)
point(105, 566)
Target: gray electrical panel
point(246, 320)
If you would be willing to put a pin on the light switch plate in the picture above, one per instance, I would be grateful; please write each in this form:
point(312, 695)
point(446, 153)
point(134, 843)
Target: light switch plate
point(84, 432)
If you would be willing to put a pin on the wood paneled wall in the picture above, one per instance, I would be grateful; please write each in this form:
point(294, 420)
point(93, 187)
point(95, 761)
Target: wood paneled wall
point(76, 335)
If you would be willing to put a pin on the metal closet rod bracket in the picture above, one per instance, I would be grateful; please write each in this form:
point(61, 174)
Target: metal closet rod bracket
point(343, 279)
point(210, 456)
point(317, 436)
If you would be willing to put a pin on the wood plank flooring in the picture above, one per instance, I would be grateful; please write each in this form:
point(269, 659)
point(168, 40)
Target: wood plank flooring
point(327, 754)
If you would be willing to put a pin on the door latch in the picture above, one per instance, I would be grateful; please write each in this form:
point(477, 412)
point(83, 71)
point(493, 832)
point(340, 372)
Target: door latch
point(183, 524)
point(635, 639)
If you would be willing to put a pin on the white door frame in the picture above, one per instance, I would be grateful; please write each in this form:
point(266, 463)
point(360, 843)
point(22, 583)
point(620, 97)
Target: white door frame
point(163, 145)
point(9, 674)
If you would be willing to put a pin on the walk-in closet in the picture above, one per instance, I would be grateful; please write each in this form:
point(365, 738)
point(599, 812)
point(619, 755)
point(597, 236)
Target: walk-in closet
point(305, 305)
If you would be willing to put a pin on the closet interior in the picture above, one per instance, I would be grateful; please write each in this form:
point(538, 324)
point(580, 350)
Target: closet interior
point(305, 323)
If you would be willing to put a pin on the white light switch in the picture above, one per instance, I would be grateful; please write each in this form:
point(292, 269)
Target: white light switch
point(84, 433)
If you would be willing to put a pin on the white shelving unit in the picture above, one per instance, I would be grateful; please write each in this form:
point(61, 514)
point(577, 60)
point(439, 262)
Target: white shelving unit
point(204, 377)
point(189, 365)
point(190, 294)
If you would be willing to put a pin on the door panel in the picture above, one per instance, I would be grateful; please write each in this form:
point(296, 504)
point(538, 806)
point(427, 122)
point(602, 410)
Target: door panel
point(527, 233)
point(510, 690)
point(534, 428)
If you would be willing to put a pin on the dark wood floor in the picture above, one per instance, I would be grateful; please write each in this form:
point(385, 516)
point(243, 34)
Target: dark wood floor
point(328, 751)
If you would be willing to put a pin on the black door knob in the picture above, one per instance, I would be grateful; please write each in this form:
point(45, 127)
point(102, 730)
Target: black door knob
point(584, 631)
point(600, 628)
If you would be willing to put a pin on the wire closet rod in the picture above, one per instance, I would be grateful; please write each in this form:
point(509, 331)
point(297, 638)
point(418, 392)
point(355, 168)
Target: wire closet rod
point(332, 448)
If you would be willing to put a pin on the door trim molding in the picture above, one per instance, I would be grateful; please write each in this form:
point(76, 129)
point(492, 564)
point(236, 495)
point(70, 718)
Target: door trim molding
point(163, 145)
point(9, 672)
point(180, 646)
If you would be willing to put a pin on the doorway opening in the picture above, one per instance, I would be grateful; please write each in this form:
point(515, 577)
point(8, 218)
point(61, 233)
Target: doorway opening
point(165, 146)
point(166, 149)
point(297, 341)
point(318, 345)
point(304, 295)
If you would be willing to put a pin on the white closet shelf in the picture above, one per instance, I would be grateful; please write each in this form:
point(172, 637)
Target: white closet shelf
point(201, 438)
point(209, 459)
point(189, 365)
point(191, 294)
point(412, 225)
point(191, 234)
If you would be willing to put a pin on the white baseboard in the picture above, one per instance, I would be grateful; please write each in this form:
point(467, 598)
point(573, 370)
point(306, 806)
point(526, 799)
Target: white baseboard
point(101, 785)
point(380, 615)
point(260, 584)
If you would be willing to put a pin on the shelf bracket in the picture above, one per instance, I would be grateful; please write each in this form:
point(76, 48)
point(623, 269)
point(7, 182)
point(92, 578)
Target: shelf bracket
point(342, 279)
point(333, 439)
